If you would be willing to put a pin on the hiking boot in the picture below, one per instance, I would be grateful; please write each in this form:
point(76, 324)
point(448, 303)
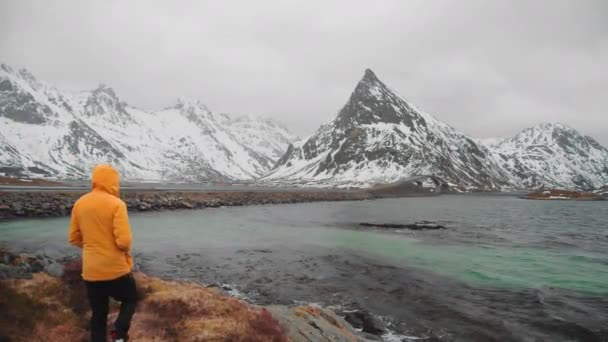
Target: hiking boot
point(116, 338)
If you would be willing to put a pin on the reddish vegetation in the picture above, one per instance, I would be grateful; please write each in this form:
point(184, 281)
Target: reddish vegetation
point(50, 309)
point(38, 309)
point(24, 181)
point(564, 195)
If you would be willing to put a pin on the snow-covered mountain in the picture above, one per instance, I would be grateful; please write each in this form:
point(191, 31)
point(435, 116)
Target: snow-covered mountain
point(379, 137)
point(53, 133)
point(553, 155)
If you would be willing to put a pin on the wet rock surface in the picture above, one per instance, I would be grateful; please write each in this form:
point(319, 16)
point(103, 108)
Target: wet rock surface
point(22, 266)
point(167, 310)
point(421, 225)
point(311, 323)
point(365, 321)
point(406, 301)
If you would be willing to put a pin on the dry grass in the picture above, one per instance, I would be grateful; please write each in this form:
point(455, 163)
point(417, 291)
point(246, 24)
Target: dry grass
point(51, 309)
point(37, 310)
point(188, 312)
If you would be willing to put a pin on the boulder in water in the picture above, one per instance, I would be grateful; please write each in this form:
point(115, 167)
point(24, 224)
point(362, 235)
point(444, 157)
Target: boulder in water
point(367, 322)
point(420, 225)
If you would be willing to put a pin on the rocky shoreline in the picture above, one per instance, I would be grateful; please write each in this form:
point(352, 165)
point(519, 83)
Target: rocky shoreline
point(564, 195)
point(30, 204)
point(44, 298)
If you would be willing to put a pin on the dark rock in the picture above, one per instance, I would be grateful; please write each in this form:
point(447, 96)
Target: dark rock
point(265, 251)
point(5, 271)
point(14, 272)
point(422, 225)
point(6, 258)
point(54, 269)
point(366, 321)
point(371, 337)
point(263, 280)
point(354, 318)
point(143, 205)
point(36, 266)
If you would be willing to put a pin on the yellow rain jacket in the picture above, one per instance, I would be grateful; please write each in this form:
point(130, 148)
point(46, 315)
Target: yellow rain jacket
point(100, 226)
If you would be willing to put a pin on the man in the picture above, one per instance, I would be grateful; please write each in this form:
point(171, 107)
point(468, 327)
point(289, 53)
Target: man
point(100, 226)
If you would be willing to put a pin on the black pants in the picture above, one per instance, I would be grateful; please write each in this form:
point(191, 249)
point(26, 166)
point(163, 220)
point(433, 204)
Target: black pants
point(99, 292)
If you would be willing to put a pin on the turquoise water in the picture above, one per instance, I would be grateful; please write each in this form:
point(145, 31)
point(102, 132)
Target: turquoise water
point(496, 241)
point(493, 266)
point(505, 269)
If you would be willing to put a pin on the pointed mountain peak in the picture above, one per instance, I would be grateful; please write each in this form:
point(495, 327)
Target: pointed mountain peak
point(6, 67)
point(370, 76)
point(373, 102)
point(370, 85)
point(554, 134)
point(552, 126)
point(191, 106)
point(22, 74)
point(186, 102)
point(103, 100)
point(544, 128)
point(26, 74)
point(104, 89)
point(369, 82)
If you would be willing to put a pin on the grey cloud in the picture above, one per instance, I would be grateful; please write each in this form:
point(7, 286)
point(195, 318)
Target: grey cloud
point(486, 67)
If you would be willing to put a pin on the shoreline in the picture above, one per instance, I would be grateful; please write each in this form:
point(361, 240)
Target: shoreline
point(40, 204)
point(411, 300)
point(42, 285)
point(564, 195)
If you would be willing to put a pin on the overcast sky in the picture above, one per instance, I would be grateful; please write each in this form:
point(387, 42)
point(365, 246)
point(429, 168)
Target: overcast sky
point(489, 68)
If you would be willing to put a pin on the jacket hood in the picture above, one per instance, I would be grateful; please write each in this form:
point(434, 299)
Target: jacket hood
point(106, 178)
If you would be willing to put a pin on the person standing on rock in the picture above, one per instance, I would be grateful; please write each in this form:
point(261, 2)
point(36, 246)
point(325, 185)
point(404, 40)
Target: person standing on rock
point(100, 226)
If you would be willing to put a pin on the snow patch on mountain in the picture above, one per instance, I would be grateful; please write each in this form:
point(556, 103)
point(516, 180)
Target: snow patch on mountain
point(379, 137)
point(553, 155)
point(51, 133)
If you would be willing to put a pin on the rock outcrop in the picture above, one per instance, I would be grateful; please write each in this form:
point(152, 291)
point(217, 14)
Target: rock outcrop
point(41, 307)
point(421, 225)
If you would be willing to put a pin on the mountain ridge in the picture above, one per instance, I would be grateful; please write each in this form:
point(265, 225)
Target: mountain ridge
point(553, 155)
point(335, 156)
point(52, 133)
point(377, 137)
